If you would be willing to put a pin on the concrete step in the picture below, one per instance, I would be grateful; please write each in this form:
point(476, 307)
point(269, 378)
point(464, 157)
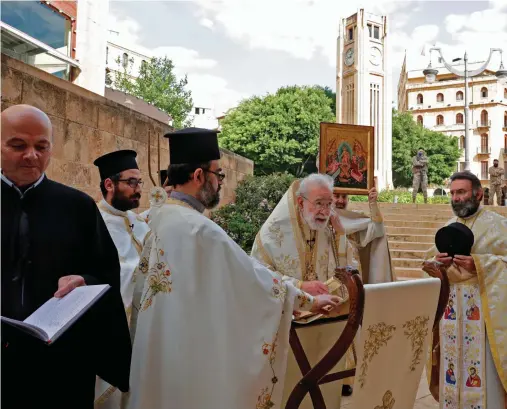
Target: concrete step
point(411, 238)
point(417, 254)
point(411, 230)
point(418, 222)
point(407, 262)
point(414, 215)
point(408, 272)
point(407, 245)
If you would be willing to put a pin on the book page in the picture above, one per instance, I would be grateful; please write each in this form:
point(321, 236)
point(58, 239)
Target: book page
point(58, 313)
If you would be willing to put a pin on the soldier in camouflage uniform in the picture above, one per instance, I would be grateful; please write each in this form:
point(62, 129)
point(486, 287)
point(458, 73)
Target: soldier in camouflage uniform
point(420, 171)
point(495, 183)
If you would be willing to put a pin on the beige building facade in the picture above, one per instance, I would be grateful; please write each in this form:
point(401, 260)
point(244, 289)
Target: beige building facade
point(440, 107)
point(363, 84)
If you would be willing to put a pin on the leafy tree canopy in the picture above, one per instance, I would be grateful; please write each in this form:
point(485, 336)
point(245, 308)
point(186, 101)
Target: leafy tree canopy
point(279, 132)
point(158, 85)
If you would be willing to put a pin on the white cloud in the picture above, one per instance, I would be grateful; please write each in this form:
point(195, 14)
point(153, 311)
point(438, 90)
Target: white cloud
point(206, 22)
point(301, 28)
point(208, 90)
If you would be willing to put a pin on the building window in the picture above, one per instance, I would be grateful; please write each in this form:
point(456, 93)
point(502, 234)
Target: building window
point(125, 60)
point(462, 142)
point(459, 96)
point(505, 144)
point(440, 97)
point(143, 64)
point(505, 93)
point(420, 99)
point(440, 119)
point(197, 111)
point(107, 55)
point(505, 120)
point(484, 92)
point(351, 34)
point(484, 117)
point(420, 120)
point(370, 30)
point(376, 32)
point(484, 143)
point(484, 170)
point(459, 118)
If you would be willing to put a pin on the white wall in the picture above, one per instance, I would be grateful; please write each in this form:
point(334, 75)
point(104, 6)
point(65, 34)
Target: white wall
point(91, 38)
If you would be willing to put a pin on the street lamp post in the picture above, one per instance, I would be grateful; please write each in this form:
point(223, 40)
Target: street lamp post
point(431, 75)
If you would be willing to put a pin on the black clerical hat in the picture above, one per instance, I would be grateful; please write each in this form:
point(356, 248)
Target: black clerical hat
point(163, 176)
point(456, 238)
point(193, 145)
point(115, 162)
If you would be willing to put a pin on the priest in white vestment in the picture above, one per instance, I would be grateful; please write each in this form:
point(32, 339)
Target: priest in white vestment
point(303, 241)
point(210, 324)
point(472, 350)
point(121, 188)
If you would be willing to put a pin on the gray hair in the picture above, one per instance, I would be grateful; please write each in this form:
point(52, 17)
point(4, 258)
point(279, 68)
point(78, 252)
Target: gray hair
point(318, 179)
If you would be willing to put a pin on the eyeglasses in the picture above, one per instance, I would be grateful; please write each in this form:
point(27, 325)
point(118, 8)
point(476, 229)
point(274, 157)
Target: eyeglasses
point(220, 176)
point(132, 182)
point(319, 204)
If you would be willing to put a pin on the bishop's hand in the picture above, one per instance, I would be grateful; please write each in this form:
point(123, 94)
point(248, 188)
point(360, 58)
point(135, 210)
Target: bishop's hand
point(314, 287)
point(325, 303)
point(467, 262)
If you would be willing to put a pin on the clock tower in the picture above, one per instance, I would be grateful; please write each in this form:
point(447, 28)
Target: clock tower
point(363, 85)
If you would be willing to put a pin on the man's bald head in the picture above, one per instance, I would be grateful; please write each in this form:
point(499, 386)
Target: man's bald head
point(26, 144)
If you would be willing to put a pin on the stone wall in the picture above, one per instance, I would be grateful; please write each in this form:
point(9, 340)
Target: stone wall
point(87, 125)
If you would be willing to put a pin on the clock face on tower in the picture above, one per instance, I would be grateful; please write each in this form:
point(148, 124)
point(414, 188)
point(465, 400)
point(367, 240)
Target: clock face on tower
point(349, 57)
point(375, 56)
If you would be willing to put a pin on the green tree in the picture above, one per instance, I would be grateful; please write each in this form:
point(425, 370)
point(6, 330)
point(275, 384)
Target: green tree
point(156, 84)
point(408, 136)
point(279, 132)
point(331, 95)
point(256, 197)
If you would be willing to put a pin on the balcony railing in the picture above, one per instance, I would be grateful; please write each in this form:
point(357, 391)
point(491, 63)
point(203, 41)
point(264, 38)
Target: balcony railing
point(484, 124)
point(484, 150)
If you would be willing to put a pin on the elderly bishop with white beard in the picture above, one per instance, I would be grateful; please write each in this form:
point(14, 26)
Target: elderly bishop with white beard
point(210, 324)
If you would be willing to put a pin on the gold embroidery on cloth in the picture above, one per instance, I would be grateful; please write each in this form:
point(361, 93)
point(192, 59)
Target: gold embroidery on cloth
point(286, 264)
point(378, 335)
point(276, 234)
point(416, 331)
point(387, 401)
point(279, 290)
point(159, 281)
point(264, 399)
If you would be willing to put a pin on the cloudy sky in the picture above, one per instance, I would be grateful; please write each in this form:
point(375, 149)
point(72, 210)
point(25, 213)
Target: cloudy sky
point(232, 49)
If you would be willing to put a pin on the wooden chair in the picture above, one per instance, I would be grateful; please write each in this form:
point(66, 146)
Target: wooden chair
point(319, 374)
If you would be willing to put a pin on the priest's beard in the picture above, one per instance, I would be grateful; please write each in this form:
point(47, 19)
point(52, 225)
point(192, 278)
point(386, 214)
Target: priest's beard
point(123, 203)
point(465, 208)
point(208, 196)
point(315, 222)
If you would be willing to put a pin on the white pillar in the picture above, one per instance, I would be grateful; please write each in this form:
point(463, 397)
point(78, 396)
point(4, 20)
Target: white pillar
point(91, 43)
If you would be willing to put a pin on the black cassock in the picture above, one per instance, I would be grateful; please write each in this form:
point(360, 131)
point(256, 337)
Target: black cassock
point(49, 232)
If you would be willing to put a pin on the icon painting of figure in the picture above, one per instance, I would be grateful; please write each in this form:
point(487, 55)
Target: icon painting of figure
point(473, 381)
point(450, 378)
point(473, 313)
point(449, 313)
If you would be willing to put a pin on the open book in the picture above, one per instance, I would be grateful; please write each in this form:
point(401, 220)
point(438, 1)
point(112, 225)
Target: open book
point(55, 316)
point(335, 287)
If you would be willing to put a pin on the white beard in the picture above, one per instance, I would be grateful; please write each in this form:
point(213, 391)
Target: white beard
point(312, 223)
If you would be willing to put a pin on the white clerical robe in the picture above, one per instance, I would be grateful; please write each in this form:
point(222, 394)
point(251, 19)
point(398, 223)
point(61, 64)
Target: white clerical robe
point(128, 231)
point(472, 349)
point(282, 245)
point(211, 325)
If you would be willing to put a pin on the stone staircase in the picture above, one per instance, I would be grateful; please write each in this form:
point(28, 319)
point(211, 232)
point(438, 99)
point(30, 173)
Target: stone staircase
point(411, 230)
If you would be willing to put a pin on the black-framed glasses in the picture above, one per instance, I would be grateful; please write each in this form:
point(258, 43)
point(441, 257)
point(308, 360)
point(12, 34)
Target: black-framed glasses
point(132, 182)
point(220, 176)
